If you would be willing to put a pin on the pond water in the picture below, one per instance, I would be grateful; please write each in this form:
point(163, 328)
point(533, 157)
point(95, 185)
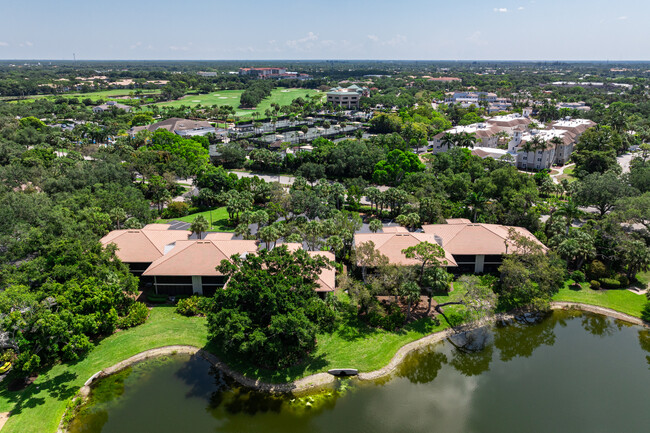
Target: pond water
point(572, 372)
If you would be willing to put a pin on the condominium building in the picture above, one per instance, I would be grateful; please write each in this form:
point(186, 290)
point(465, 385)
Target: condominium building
point(347, 97)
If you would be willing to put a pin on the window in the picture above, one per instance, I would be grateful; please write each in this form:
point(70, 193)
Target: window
point(539, 159)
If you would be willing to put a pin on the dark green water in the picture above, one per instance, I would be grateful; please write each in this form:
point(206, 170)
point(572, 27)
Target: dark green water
point(572, 373)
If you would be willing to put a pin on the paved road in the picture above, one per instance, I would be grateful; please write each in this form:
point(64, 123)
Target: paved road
point(624, 161)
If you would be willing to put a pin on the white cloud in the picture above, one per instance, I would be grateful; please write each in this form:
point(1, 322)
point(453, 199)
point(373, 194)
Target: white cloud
point(307, 42)
point(180, 47)
point(29, 44)
point(501, 10)
point(398, 39)
point(521, 8)
point(373, 38)
point(4, 44)
point(622, 18)
point(476, 38)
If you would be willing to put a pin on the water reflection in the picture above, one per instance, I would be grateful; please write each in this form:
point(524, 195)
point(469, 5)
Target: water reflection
point(644, 342)
point(470, 383)
point(521, 339)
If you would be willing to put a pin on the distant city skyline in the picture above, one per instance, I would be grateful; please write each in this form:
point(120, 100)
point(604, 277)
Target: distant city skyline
point(336, 29)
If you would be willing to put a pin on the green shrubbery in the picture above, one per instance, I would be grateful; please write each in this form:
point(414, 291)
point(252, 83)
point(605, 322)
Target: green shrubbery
point(610, 283)
point(578, 276)
point(193, 306)
point(594, 284)
point(176, 209)
point(390, 321)
point(137, 315)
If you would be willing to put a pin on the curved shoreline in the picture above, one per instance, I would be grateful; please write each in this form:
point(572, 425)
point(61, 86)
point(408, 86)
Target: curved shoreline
point(320, 380)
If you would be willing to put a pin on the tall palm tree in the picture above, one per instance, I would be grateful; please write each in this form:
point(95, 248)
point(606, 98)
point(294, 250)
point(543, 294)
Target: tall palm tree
point(467, 139)
point(448, 139)
point(199, 225)
point(570, 211)
point(556, 142)
point(526, 147)
point(475, 201)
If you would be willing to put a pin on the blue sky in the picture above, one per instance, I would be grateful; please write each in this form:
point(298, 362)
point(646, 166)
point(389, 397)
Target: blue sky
point(326, 29)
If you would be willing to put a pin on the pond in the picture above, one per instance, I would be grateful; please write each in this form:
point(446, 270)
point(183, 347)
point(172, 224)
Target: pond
point(573, 372)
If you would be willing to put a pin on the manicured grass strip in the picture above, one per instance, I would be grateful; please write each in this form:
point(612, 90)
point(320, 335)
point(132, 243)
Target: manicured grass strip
point(39, 410)
point(219, 219)
point(231, 98)
point(619, 300)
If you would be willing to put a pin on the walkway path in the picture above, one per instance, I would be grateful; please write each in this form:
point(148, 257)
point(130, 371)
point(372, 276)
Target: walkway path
point(560, 172)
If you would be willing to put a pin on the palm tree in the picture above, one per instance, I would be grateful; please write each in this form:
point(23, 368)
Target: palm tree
point(467, 140)
point(117, 214)
point(448, 139)
point(475, 201)
point(199, 225)
point(556, 141)
point(570, 211)
point(526, 147)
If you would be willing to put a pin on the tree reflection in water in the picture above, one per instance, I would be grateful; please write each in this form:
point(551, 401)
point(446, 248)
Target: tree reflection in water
point(644, 342)
point(521, 340)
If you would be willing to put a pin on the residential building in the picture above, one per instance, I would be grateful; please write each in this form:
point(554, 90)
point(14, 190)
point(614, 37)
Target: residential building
point(580, 106)
point(139, 248)
point(347, 97)
point(393, 240)
point(555, 144)
point(175, 262)
point(475, 247)
point(278, 73)
point(486, 135)
point(471, 98)
point(446, 79)
point(110, 105)
point(183, 127)
point(191, 266)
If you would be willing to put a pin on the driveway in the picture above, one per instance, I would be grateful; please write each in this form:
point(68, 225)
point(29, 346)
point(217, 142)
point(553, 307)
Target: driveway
point(624, 161)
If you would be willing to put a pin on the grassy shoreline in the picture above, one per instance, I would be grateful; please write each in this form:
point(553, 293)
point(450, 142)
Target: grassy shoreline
point(620, 300)
point(39, 408)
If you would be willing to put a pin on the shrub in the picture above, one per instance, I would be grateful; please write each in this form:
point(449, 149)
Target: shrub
point(176, 209)
point(7, 356)
point(624, 280)
point(393, 321)
point(610, 283)
point(137, 315)
point(193, 306)
point(578, 276)
point(595, 284)
point(455, 318)
point(597, 270)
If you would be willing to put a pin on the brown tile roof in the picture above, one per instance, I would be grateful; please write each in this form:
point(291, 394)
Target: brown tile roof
point(392, 244)
point(198, 257)
point(471, 239)
point(144, 245)
point(458, 221)
point(218, 236)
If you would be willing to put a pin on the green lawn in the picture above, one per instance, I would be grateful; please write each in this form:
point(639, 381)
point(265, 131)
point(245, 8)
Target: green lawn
point(231, 97)
point(619, 300)
point(219, 219)
point(644, 278)
point(39, 408)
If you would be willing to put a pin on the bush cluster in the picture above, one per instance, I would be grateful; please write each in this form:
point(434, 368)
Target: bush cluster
point(137, 315)
point(193, 306)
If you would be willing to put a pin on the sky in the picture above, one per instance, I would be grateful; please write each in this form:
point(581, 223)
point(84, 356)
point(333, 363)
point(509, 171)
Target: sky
point(325, 29)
